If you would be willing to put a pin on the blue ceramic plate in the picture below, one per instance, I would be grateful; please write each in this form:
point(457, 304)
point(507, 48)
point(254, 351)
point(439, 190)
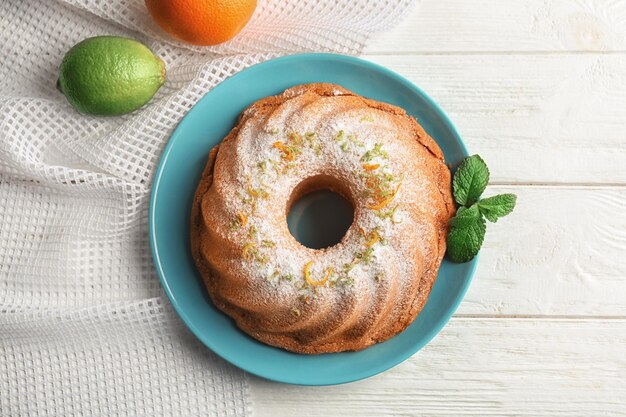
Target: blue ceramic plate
point(174, 185)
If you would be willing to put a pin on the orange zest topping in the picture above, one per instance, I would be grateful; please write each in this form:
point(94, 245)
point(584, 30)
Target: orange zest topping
point(243, 219)
point(373, 238)
point(295, 137)
point(383, 203)
point(251, 191)
point(287, 154)
point(370, 167)
point(372, 183)
point(245, 252)
point(311, 281)
point(307, 271)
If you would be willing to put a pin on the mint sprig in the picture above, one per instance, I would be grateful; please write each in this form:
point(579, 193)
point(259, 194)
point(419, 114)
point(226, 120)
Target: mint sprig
point(468, 226)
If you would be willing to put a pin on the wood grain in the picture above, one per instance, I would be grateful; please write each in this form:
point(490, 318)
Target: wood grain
point(486, 367)
point(451, 26)
point(538, 88)
point(534, 118)
point(561, 252)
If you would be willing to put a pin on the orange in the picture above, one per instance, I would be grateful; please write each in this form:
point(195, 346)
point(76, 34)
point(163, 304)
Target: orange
point(202, 22)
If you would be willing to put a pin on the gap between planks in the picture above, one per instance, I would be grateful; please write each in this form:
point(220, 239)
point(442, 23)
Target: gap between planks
point(491, 53)
point(562, 185)
point(533, 317)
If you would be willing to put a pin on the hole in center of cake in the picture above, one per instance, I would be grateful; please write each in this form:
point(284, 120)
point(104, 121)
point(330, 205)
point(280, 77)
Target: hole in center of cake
point(318, 213)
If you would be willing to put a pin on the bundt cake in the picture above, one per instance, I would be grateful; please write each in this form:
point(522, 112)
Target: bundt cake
point(363, 290)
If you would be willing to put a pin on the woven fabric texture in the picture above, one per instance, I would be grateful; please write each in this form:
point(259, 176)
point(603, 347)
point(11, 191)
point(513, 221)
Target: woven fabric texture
point(85, 328)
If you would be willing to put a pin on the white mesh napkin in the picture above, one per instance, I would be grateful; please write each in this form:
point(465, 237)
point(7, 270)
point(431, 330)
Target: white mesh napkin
point(84, 326)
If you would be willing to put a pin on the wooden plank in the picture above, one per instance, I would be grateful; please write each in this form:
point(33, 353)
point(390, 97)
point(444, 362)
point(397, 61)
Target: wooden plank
point(486, 367)
point(534, 118)
point(505, 26)
point(561, 252)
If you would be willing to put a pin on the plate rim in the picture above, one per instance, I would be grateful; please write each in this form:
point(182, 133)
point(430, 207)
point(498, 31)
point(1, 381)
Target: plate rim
point(356, 376)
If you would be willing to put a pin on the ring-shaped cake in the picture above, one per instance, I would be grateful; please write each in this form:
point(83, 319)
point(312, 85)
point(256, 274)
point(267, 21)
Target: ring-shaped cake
point(361, 291)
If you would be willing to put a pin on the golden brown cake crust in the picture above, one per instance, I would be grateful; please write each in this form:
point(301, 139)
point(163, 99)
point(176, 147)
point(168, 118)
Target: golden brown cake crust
point(331, 317)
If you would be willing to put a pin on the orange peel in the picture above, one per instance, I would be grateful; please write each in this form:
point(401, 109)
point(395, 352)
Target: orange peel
point(251, 191)
point(311, 281)
point(287, 154)
point(245, 251)
point(383, 203)
point(373, 238)
point(370, 167)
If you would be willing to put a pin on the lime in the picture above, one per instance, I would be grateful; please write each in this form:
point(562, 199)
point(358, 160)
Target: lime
point(110, 75)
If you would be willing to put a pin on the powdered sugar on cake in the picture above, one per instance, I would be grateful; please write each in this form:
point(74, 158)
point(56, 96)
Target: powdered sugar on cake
point(371, 284)
point(336, 146)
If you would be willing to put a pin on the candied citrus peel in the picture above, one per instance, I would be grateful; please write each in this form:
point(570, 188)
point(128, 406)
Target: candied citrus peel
point(370, 167)
point(246, 251)
point(311, 281)
point(287, 154)
point(243, 219)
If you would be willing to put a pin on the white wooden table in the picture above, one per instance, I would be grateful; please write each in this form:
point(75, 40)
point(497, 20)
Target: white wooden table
point(538, 88)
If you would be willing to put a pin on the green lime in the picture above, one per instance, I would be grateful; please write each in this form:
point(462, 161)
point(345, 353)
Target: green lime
point(110, 75)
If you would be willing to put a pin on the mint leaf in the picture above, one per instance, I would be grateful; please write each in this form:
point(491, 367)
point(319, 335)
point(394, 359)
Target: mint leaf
point(464, 216)
point(497, 206)
point(470, 180)
point(467, 231)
